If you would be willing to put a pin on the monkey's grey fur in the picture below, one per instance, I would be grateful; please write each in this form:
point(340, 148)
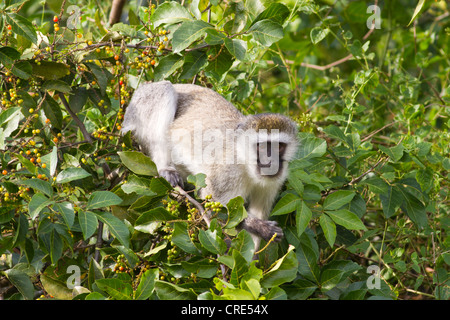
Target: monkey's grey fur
point(168, 119)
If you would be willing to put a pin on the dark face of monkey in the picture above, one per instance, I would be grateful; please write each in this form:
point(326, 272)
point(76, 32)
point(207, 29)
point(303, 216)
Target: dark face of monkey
point(270, 158)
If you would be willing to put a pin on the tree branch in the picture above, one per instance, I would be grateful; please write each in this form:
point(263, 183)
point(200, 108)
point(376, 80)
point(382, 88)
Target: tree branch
point(116, 11)
point(75, 118)
point(180, 192)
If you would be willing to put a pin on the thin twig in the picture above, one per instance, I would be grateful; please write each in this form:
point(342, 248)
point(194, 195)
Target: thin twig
point(376, 131)
point(358, 179)
point(201, 210)
point(99, 242)
point(75, 118)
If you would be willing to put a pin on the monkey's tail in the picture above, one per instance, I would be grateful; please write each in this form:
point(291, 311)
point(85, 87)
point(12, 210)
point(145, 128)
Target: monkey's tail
point(149, 116)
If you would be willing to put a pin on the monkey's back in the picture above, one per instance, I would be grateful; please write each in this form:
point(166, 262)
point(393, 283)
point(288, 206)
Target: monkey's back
point(196, 102)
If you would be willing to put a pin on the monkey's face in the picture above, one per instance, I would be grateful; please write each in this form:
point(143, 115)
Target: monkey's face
point(270, 158)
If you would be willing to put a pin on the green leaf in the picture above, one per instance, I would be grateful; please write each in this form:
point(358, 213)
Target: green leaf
point(27, 164)
point(239, 269)
point(71, 174)
point(38, 185)
point(53, 112)
point(194, 62)
point(376, 185)
point(170, 12)
point(102, 75)
point(395, 153)
point(116, 288)
point(212, 241)
point(11, 117)
point(237, 48)
point(95, 272)
point(50, 70)
point(328, 228)
point(180, 237)
point(414, 208)
point(137, 185)
point(22, 282)
point(167, 66)
point(37, 203)
point(283, 270)
point(425, 178)
point(56, 247)
point(267, 32)
point(308, 256)
point(138, 163)
point(116, 227)
point(56, 85)
point(197, 180)
point(300, 289)
point(8, 56)
point(56, 288)
point(335, 272)
point(88, 223)
point(302, 217)
point(53, 160)
point(416, 11)
point(203, 268)
point(289, 203)
point(67, 212)
point(236, 212)
point(317, 34)
point(156, 214)
point(187, 33)
point(335, 132)
point(337, 199)
point(169, 291)
point(253, 286)
point(21, 230)
point(22, 26)
point(347, 219)
point(243, 243)
point(146, 284)
point(239, 20)
point(218, 67)
point(214, 37)
point(22, 69)
point(276, 12)
point(101, 199)
point(311, 147)
point(391, 201)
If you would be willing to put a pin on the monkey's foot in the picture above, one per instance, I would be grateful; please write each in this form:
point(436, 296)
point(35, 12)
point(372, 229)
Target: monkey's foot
point(263, 228)
point(172, 176)
point(269, 229)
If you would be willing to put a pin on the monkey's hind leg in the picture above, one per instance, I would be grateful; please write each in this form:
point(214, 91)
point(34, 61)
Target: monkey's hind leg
point(149, 116)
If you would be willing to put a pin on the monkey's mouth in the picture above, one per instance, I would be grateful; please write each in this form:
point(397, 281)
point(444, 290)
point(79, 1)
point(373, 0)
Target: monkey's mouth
point(269, 169)
point(261, 165)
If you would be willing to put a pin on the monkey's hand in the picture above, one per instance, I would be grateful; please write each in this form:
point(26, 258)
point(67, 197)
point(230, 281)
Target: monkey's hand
point(263, 228)
point(172, 176)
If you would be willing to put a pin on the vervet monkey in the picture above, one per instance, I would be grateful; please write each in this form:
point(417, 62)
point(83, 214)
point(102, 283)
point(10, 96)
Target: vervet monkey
point(188, 129)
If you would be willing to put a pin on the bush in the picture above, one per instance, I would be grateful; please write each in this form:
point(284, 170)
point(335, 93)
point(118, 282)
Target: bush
point(365, 208)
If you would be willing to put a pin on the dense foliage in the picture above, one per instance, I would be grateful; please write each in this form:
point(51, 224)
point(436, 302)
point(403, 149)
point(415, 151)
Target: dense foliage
point(365, 208)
